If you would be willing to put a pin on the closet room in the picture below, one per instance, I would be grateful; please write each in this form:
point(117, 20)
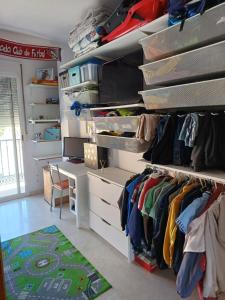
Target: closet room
point(112, 150)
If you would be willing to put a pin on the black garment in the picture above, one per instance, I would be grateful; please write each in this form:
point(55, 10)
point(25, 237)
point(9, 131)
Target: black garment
point(160, 226)
point(122, 203)
point(161, 150)
point(181, 153)
point(148, 230)
point(215, 144)
point(180, 236)
point(198, 152)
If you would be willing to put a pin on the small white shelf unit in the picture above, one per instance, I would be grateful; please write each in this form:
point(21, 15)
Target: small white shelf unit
point(42, 103)
point(36, 85)
point(122, 45)
point(45, 141)
point(44, 121)
point(47, 157)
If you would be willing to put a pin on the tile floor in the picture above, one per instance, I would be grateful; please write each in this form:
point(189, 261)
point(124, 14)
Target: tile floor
point(129, 281)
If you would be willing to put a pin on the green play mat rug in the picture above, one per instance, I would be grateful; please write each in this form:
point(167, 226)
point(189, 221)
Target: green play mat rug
point(45, 265)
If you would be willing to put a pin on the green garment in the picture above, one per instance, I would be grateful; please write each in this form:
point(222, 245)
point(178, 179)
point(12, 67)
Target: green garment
point(164, 190)
point(150, 198)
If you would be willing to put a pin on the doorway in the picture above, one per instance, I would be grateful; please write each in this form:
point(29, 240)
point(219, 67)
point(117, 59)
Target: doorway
point(12, 180)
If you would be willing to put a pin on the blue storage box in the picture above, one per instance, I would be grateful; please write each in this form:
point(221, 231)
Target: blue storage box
point(51, 134)
point(74, 75)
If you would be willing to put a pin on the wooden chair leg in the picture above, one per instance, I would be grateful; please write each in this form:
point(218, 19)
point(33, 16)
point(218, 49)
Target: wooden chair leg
point(61, 201)
point(52, 194)
point(2, 282)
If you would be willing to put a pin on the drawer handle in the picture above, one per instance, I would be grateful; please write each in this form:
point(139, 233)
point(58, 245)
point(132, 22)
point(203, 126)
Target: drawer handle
point(105, 222)
point(105, 181)
point(106, 202)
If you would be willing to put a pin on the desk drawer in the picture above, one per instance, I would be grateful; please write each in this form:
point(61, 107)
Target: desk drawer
point(104, 189)
point(116, 238)
point(105, 210)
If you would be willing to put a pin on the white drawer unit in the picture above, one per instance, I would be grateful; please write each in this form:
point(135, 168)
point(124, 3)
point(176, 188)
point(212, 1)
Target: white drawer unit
point(200, 30)
point(197, 64)
point(102, 207)
point(116, 238)
point(105, 189)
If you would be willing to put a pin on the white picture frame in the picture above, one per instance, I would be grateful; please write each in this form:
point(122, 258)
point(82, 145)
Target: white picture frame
point(44, 74)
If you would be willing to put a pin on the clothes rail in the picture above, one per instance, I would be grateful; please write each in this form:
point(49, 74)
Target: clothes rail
point(217, 176)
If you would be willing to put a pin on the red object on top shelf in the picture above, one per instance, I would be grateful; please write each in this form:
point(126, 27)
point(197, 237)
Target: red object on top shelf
point(138, 15)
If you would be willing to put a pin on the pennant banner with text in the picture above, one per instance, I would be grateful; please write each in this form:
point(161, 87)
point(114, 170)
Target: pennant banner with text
point(10, 48)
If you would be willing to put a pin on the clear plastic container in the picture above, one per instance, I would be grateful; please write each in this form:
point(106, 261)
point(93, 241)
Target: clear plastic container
point(89, 72)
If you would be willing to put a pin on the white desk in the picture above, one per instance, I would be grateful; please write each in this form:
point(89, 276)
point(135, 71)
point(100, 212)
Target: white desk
point(78, 191)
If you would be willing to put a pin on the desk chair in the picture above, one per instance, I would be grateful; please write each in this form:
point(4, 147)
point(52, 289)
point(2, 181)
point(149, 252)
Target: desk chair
point(58, 184)
point(2, 281)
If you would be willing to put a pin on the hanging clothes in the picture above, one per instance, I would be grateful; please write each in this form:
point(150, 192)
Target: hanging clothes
point(206, 235)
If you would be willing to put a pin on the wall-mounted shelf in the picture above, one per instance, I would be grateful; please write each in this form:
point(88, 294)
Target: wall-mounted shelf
point(122, 45)
point(46, 157)
point(40, 103)
point(45, 141)
point(43, 86)
point(215, 175)
point(80, 86)
point(44, 121)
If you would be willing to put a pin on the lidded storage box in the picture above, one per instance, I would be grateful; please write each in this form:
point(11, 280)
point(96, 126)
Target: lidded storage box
point(74, 75)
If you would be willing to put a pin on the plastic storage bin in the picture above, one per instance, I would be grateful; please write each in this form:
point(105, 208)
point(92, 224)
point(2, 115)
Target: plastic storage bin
point(129, 124)
point(74, 75)
point(192, 65)
point(120, 143)
point(89, 72)
point(198, 31)
point(87, 97)
point(198, 94)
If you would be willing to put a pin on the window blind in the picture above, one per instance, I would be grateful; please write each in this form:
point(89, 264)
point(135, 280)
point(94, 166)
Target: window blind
point(9, 106)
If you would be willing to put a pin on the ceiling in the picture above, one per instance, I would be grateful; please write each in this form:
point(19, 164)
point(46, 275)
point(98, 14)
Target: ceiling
point(49, 19)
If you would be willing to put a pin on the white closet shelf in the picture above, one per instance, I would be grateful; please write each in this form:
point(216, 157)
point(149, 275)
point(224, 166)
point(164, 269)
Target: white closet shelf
point(215, 175)
point(43, 86)
point(46, 157)
point(118, 106)
point(45, 141)
point(122, 45)
point(43, 121)
point(78, 87)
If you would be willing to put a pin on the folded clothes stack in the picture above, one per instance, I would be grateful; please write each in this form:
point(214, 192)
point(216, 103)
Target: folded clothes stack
point(84, 37)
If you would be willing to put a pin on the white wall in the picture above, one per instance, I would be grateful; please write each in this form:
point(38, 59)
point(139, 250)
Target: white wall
point(34, 169)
